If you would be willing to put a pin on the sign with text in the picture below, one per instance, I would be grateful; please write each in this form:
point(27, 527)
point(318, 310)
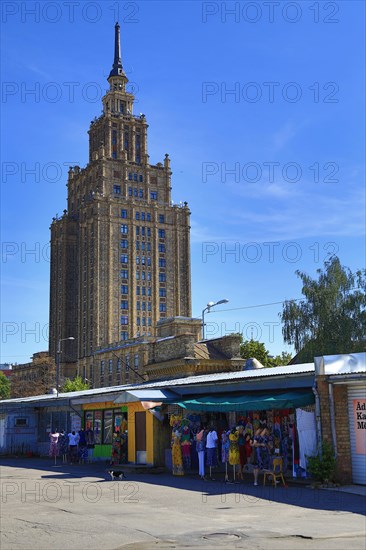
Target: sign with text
point(359, 415)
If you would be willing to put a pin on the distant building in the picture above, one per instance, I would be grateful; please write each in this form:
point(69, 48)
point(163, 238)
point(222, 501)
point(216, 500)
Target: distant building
point(6, 369)
point(120, 254)
point(34, 378)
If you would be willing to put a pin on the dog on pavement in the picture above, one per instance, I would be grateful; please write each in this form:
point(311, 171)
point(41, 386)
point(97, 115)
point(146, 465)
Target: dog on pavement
point(115, 473)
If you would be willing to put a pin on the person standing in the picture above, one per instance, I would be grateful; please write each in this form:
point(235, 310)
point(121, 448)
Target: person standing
point(73, 446)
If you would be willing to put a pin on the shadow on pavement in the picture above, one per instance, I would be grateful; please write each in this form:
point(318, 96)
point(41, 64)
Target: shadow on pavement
point(228, 494)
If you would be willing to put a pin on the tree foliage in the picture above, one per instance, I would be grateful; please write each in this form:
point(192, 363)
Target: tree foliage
point(253, 348)
point(331, 319)
point(74, 385)
point(37, 378)
point(4, 386)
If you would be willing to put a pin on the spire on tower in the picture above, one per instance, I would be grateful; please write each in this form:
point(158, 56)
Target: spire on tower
point(117, 69)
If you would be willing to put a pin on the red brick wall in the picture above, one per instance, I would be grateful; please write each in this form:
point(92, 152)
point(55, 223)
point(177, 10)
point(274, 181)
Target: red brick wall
point(344, 465)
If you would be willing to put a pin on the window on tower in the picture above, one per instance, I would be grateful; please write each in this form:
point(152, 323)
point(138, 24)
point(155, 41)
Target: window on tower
point(124, 304)
point(123, 213)
point(124, 289)
point(124, 319)
point(117, 189)
point(124, 259)
point(161, 218)
point(161, 233)
point(124, 229)
point(124, 243)
point(153, 195)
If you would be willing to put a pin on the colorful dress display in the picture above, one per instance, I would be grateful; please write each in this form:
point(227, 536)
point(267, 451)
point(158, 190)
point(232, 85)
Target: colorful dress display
point(234, 448)
point(225, 446)
point(186, 447)
point(116, 449)
point(54, 444)
point(177, 455)
point(63, 443)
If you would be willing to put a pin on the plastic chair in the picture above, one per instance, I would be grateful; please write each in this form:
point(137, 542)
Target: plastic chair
point(276, 472)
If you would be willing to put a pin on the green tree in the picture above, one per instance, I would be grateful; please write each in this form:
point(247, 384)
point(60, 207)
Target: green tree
point(4, 386)
point(256, 349)
point(280, 360)
point(332, 316)
point(74, 385)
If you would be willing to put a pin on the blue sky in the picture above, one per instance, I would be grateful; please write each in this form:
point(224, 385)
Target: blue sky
point(261, 112)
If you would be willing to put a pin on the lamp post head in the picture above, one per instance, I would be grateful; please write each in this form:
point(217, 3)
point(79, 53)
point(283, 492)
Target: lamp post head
point(224, 301)
point(210, 304)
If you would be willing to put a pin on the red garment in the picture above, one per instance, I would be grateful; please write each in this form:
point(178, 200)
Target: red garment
point(248, 449)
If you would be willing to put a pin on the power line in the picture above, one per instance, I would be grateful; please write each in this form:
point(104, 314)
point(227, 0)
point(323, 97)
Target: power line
point(273, 303)
point(261, 305)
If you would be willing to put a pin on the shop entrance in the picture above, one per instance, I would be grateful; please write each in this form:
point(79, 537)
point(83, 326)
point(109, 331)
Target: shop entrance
point(140, 437)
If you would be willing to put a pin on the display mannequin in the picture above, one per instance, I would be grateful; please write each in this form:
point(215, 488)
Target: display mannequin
point(53, 452)
point(90, 441)
point(200, 448)
point(177, 454)
point(64, 445)
point(241, 443)
point(211, 447)
point(186, 447)
point(225, 445)
point(234, 449)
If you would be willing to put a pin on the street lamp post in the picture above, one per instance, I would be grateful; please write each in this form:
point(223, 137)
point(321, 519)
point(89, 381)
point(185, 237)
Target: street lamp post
point(208, 308)
point(58, 353)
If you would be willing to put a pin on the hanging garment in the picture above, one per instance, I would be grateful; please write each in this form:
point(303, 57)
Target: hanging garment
point(306, 429)
point(177, 459)
point(234, 449)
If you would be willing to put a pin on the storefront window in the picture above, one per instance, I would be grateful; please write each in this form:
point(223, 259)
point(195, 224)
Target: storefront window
point(108, 424)
point(89, 420)
point(97, 426)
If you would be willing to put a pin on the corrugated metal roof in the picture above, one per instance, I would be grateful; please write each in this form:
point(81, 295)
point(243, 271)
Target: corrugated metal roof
point(232, 376)
point(68, 395)
point(190, 380)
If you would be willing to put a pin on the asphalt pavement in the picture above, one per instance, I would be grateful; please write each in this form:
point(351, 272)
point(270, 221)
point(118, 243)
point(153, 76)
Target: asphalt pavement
point(76, 507)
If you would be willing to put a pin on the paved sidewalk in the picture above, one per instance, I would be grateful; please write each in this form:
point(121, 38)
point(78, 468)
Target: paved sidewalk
point(77, 506)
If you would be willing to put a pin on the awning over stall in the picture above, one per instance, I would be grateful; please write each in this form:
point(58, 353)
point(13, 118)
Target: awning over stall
point(131, 396)
point(249, 402)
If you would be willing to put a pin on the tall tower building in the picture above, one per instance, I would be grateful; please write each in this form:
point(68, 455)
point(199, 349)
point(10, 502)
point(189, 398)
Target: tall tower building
point(120, 254)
